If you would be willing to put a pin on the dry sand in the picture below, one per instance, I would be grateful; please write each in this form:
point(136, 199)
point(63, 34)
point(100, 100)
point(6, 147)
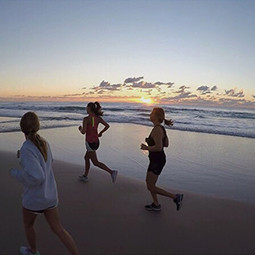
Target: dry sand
point(106, 218)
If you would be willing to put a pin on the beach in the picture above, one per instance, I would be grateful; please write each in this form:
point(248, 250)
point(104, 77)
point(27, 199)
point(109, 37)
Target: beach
point(106, 218)
point(138, 65)
point(214, 172)
point(211, 164)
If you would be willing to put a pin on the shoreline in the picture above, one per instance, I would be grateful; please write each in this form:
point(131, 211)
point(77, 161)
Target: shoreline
point(138, 124)
point(106, 218)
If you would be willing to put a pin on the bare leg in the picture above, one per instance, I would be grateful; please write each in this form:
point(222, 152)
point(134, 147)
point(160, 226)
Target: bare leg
point(151, 180)
point(101, 165)
point(87, 163)
point(29, 220)
point(52, 217)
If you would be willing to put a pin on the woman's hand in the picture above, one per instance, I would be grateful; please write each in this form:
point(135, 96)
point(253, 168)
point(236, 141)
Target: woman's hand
point(80, 128)
point(100, 134)
point(144, 147)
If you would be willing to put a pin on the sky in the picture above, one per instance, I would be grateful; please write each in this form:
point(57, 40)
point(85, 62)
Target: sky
point(193, 52)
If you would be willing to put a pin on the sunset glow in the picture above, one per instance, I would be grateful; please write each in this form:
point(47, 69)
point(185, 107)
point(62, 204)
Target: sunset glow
point(145, 100)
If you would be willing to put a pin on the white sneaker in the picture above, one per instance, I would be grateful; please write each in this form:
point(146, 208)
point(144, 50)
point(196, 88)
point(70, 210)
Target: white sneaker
point(83, 178)
point(114, 175)
point(26, 251)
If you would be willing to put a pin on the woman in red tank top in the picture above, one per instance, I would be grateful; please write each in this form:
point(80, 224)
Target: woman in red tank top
point(90, 128)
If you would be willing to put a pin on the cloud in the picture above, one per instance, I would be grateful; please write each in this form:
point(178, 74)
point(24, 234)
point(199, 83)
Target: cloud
point(214, 88)
point(203, 88)
point(179, 98)
point(74, 95)
point(131, 83)
point(232, 93)
point(183, 93)
point(149, 85)
point(132, 80)
point(163, 92)
point(114, 86)
point(206, 90)
point(105, 86)
point(230, 100)
point(143, 85)
point(181, 89)
point(101, 92)
point(159, 83)
point(169, 84)
point(32, 97)
point(184, 87)
point(233, 102)
point(187, 94)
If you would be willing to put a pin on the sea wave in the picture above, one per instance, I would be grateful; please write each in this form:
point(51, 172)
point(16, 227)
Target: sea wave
point(183, 127)
point(59, 114)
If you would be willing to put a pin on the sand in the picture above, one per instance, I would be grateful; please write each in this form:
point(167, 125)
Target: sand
point(106, 218)
point(215, 165)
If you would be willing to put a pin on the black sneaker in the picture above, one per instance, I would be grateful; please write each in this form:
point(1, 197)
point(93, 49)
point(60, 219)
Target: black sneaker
point(178, 201)
point(153, 207)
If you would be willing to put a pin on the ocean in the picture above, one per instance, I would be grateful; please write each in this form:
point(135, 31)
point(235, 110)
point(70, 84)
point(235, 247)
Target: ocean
point(196, 119)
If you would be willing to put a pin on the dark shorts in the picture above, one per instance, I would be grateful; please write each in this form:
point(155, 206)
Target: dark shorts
point(157, 162)
point(41, 211)
point(92, 146)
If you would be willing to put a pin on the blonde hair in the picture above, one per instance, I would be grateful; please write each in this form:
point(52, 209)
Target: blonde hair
point(160, 113)
point(29, 125)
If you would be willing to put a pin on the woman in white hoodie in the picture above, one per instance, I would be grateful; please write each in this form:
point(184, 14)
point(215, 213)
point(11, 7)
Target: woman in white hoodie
point(40, 190)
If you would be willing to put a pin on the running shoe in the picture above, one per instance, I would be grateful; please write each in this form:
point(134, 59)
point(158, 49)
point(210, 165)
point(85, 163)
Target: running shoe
point(114, 175)
point(153, 207)
point(26, 251)
point(178, 201)
point(83, 178)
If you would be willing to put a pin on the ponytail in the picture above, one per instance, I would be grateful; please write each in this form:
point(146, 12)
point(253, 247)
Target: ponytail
point(29, 125)
point(40, 143)
point(168, 122)
point(98, 108)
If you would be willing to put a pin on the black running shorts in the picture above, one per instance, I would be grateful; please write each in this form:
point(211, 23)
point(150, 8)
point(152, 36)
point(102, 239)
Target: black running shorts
point(157, 161)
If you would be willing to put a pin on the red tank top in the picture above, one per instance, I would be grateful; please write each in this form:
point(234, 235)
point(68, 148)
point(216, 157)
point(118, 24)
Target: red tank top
point(91, 131)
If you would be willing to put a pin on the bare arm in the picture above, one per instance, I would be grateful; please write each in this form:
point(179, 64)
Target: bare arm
point(106, 126)
point(157, 135)
point(83, 128)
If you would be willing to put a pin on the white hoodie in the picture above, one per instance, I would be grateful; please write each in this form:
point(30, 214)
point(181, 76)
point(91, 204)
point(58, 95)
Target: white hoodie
point(40, 190)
